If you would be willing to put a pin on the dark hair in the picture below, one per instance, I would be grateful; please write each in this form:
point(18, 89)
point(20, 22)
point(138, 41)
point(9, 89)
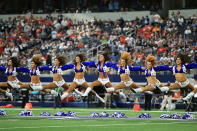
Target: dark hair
point(106, 57)
point(81, 56)
point(15, 61)
point(61, 59)
point(184, 58)
point(37, 59)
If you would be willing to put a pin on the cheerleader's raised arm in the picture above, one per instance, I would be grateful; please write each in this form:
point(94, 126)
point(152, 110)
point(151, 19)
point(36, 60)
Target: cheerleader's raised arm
point(79, 66)
point(150, 73)
point(103, 68)
point(179, 71)
point(57, 70)
point(11, 72)
point(124, 70)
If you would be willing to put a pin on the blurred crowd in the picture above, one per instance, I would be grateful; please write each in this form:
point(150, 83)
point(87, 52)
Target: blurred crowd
point(48, 36)
point(82, 6)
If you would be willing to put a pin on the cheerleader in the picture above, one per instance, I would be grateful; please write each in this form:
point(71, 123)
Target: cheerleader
point(11, 72)
point(150, 73)
point(179, 71)
point(57, 69)
point(79, 66)
point(36, 63)
point(124, 70)
point(102, 69)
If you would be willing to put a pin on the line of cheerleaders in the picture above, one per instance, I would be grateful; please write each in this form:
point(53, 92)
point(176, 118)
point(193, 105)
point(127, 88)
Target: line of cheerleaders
point(124, 67)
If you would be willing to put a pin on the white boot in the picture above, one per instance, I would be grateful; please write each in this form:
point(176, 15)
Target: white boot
point(78, 92)
point(100, 98)
point(87, 91)
point(17, 86)
point(190, 95)
point(110, 89)
point(64, 95)
point(122, 94)
point(163, 89)
point(9, 95)
point(138, 90)
point(54, 93)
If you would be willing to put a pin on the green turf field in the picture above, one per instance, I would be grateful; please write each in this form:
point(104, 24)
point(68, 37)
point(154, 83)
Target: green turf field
point(14, 122)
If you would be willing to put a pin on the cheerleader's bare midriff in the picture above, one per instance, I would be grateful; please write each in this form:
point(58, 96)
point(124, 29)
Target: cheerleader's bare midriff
point(180, 77)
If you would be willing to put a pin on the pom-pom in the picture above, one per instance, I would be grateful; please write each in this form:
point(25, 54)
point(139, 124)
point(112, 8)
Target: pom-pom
point(60, 113)
point(45, 114)
point(26, 113)
point(144, 115)
point(3, 113)
point(72, 114)
point(118, 115)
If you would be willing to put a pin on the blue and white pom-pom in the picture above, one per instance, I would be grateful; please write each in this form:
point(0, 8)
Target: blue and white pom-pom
point(3, 113)
point(60, 113)
point(188, 116)
point(45, 114)
point(26, 113)
point(175, 116)
point(103, 114)
point(164, 116)
point(144, 115)
point(72, 114)
point(94, 114)
point(118, 115)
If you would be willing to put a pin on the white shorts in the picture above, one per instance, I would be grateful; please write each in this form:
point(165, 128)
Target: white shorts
point(155, 85)
point(59, 83)
point(79, 81)
point(127, 83)
point(183, 84)
point(103, 81)
point(36, 87)
point(14, 84)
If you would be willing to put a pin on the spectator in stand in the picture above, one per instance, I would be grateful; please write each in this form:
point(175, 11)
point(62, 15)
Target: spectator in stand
point(50, 35)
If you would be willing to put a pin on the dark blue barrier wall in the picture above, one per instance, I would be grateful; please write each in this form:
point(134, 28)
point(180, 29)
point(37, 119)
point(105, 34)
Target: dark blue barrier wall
point(90, 78)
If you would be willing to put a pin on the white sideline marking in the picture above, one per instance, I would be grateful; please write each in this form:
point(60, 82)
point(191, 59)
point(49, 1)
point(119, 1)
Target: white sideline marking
point(105, 125)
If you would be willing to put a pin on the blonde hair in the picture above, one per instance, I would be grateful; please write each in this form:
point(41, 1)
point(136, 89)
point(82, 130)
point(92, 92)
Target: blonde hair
point(152, 59)
point(127, 57)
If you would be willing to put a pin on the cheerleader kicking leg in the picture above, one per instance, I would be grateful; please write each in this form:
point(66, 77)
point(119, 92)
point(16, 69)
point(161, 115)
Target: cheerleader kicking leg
point(137, 88)
point(146, 88)
point(85, 85)
point(191, 94)
point(7, 94)
point(70, 89)
point(5, 85)
point(50, 86)
point(115, 89)
point(92, 85)
point(52, 92)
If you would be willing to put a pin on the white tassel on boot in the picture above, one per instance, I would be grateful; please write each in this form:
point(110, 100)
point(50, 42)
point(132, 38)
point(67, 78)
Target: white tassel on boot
point(138, 90)
point(190, 95)
point(122, 94)
point(9, 95)
point(64, 95)
point(163, 89)
point(87, 91)
point(54, 93)
point(100, 98)
point(110, 89)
